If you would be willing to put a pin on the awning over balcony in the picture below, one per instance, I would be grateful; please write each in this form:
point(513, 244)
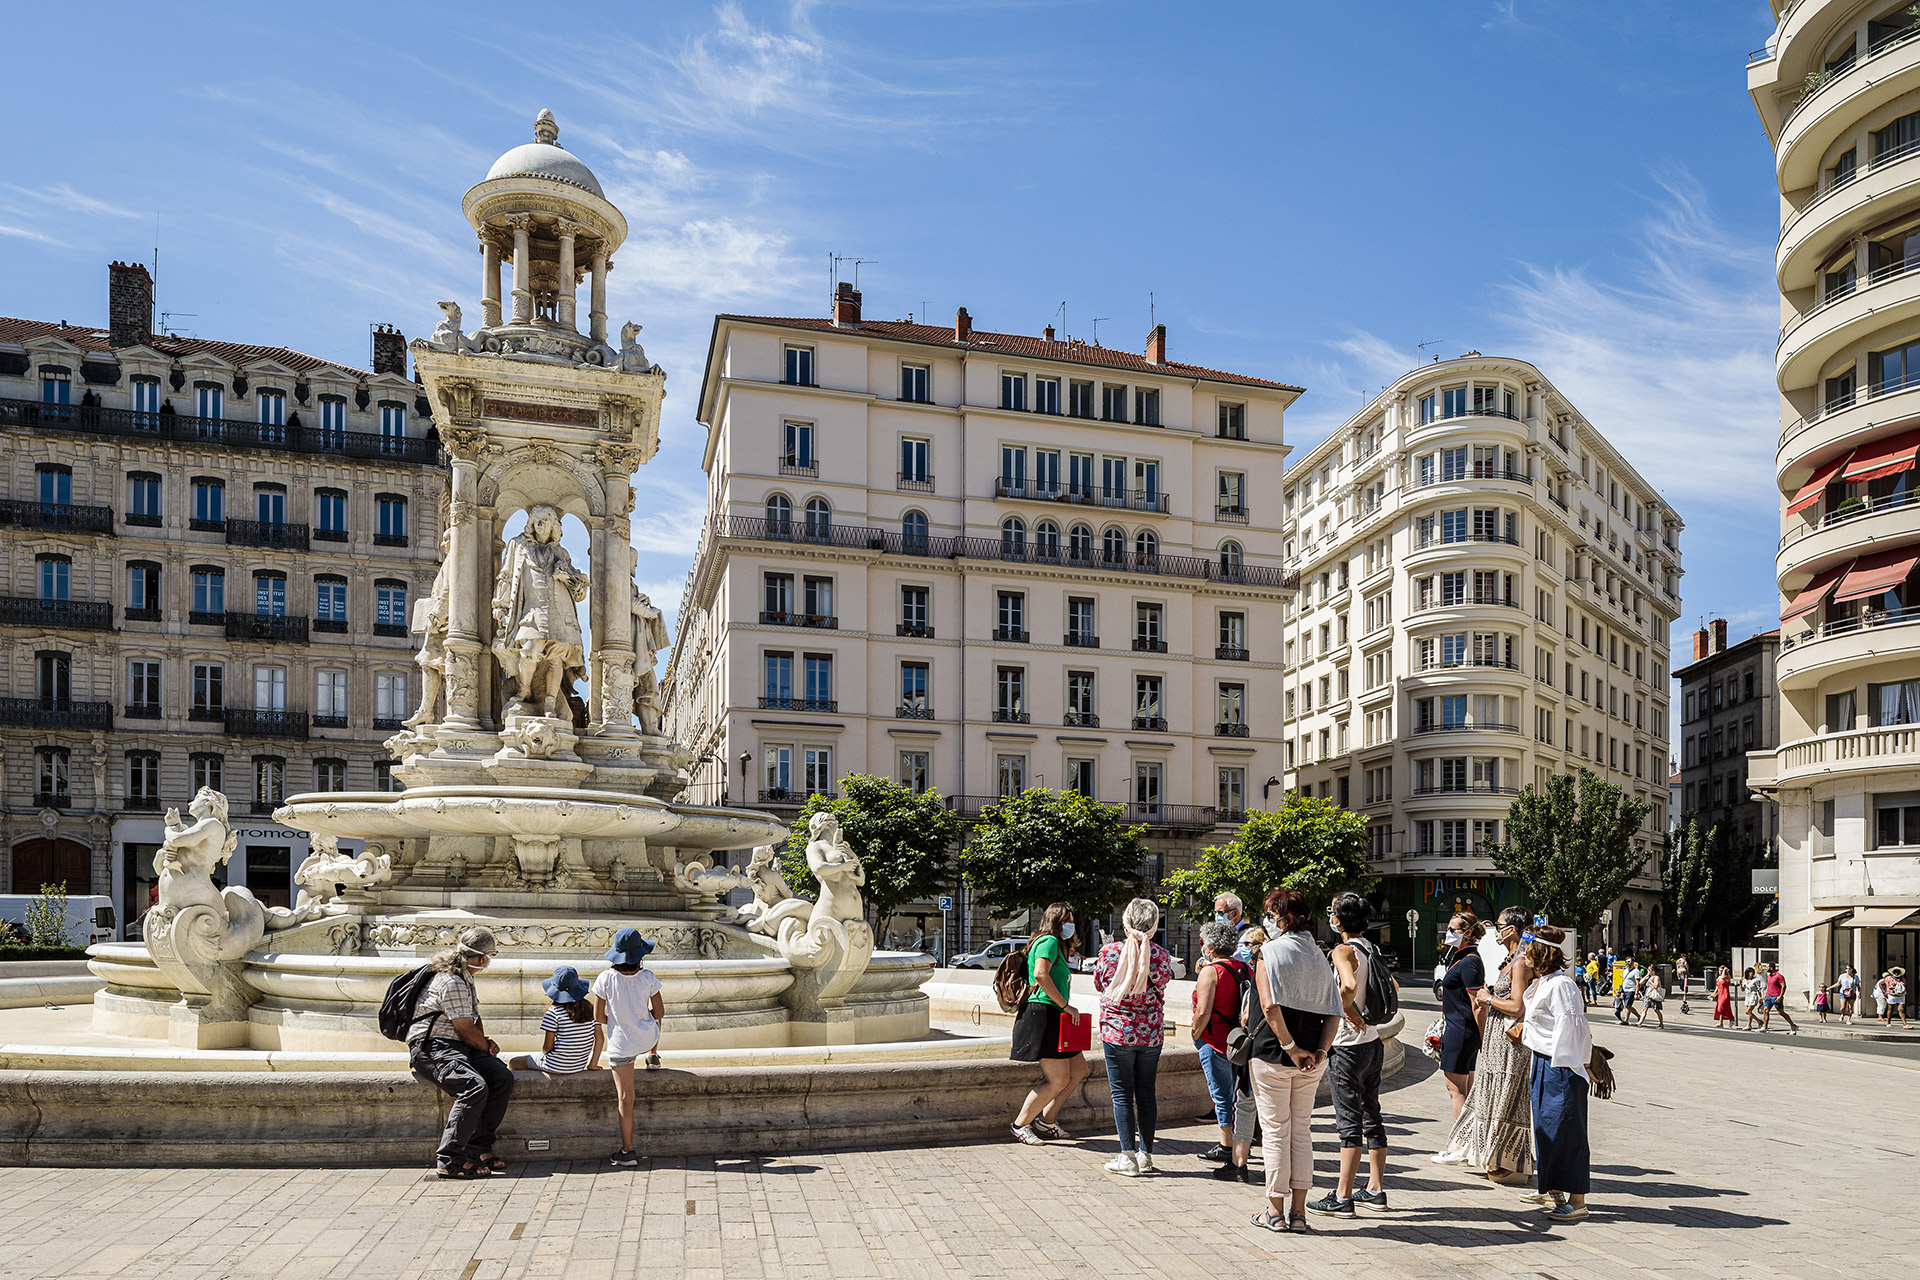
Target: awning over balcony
point(1815, 594)
point(1878, 573)
point(1816, 485)
point(1799, 924)
point(1889, 457)
point(1878, 917)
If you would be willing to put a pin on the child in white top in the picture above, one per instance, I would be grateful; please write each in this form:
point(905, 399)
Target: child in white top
point(627, 1003)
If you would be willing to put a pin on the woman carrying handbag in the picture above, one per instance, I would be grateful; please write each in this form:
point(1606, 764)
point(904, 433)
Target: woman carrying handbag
point(1037, 1031)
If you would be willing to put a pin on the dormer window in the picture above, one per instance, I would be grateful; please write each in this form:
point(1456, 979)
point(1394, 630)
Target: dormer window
point(56, 385)
point(209, 400)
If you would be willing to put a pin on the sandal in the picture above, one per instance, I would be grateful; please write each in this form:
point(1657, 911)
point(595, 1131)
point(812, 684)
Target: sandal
point(1298, 1222)
point(490, 1162)
point(1271, 1221)
point(464, 1170)
point(653, 1062)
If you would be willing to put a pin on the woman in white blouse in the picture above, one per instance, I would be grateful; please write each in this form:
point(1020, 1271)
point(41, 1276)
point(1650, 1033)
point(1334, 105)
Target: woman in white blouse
point(1557, 1033)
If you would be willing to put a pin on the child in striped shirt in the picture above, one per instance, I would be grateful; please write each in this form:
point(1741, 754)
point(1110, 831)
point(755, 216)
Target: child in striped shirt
point(574, 1038)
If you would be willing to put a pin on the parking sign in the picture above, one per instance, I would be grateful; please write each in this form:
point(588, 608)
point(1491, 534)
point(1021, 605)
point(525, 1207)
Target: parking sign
point(946, 902)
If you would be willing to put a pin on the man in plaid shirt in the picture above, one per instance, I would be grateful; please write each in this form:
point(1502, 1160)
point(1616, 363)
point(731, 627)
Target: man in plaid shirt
point(447, 1045)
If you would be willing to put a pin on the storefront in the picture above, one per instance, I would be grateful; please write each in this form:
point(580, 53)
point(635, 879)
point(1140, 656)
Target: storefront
point(1437, 899)
point(264, 862)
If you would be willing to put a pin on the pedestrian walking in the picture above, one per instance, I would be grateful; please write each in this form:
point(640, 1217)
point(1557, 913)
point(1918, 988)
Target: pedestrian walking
point(1299, 1005)
point(574, 1036)
point(1623, 1000)
point(1593, 978)
point(1494, 1130)
point(1556, 1033)
point(627, 1003)
point(1723, 998)
point(1820, 1000)
point(1775, 1001)
point(1891, 993)
point(1654, 999)
point(1132, 978)
point(448, 1044)
point(1353, 1066)
point(1849, 985)
point(1217, 995)
point(1680, 971)
point(1036, 1030)
point(1750, 988)
point(1460, 1040)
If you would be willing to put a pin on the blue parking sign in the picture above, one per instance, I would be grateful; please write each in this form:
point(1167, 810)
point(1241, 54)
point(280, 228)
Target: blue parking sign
point(946, 903)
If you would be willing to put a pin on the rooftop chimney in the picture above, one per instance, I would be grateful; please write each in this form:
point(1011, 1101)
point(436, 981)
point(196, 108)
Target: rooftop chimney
point(1719, 635)
point(962, 326)
point(389, 350)
point(846, 306)
point(1700, 644)
point(1157, 345)
point(1047, 333)
point(129, 305)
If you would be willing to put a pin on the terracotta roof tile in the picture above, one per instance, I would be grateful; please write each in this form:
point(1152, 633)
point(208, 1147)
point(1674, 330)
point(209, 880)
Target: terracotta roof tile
point(1018, 344)
point(239, 353)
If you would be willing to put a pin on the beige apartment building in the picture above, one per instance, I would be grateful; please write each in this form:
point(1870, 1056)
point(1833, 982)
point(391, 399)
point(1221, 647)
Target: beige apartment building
point(1486, 593)
point(210, 548)
point(978, 562)
point(1838, 91)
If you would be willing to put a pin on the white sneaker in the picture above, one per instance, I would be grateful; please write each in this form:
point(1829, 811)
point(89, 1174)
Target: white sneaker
point(1143, 1162)
point(1123, 1165)
point(1449, 1157)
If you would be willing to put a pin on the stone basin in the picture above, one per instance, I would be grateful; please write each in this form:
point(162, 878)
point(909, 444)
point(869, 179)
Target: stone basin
point(538, 812)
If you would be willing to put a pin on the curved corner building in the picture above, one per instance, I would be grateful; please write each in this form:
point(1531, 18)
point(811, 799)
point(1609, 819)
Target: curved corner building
point(1838, 89)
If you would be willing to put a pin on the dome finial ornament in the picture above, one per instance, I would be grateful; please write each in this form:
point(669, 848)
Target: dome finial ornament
point(545, 129)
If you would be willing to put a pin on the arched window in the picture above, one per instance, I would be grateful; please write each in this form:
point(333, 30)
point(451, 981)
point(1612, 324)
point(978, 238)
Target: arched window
point(819, 518)
point(1113, 546)
point(1231, 558)
point(1080, 543)
point(913, 531)
point(779, 515)
point(1046, 539)
point(1146, 544)
point(1013, 535)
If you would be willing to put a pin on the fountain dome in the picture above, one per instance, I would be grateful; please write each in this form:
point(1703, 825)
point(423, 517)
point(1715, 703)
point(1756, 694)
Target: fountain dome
point(544, 157)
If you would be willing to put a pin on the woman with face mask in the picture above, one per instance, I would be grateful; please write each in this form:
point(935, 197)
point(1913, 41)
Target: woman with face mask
point(1036, 1029)
point(1495, 1128)
point(1460, 1043)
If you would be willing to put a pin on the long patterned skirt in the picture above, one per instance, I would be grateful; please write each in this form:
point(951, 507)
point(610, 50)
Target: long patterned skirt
point(1495, 1128)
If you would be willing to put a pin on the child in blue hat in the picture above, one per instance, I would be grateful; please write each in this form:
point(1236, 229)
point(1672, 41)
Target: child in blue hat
point(627, 1002)
point(574, 1038)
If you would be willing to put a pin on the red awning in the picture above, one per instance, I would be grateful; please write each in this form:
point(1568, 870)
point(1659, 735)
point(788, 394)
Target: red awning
point(1815, 486)
point(1815, 594)
point(1889, 457)
point(1877, 573)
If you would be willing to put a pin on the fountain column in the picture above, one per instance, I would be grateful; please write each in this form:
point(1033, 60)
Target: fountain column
point(489, 280)
point(567, 302)
point(521, 225)
point(597, 297)
point(466, 646)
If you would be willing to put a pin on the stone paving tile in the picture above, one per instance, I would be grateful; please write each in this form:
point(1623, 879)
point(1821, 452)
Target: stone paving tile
point(1722, 1158)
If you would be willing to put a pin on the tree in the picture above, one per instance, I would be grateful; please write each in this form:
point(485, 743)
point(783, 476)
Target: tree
point(1046, 846)
point(47, 917)
point(1733, 910)
point(1572, 847)
point(905, 841)
point(1308, 844)
point(1686, 879)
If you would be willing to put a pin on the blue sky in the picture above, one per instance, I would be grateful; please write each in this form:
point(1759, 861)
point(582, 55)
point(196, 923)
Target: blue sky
point(1309, 191)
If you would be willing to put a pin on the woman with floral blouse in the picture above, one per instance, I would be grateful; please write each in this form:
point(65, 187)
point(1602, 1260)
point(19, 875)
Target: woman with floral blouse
point(1131, 977)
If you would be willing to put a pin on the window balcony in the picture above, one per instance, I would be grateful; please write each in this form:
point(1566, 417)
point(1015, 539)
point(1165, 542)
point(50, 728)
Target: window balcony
point(389, 539)
point(1473, 473)
point(808, 469)
point(38, 713)
point(1007, 635)
point(1080, 640)
point(1429, 543)
point(330, 624)
point(330, 535)
point(197, 525)
point(1008, 715)
point(1231, 515)
point(1444, 665)
point(389, 629)
point(914, 483)
point(266, 724)
point(1152, 724)
point(386, 724)
point(58, 800)
point(1478, 411)
point(829, 705)
point(1478, 726)
point(788, 618)
point(58, 517)
point(1231, 729)
point(1229, 653)
point(264, 808)
point(142, 711)
point(141, 615)
point(30, 611)
point(792, 797)
point(1080, 720)
point(913, 711)
point(202, 618)
point(141, 804)
point(1149, 644)
point(272, 628)
point(1176, 817)
point(1463, 789)
point(92, 420)
point(916, 630)
point(144, 521)
point(1464, 601)
point(217, 715)
point(266, 533)
point(327, 722)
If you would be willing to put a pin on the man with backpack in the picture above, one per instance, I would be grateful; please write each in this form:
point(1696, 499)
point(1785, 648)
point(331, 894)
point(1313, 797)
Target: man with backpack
point(1368, 997)
point(437, 1010)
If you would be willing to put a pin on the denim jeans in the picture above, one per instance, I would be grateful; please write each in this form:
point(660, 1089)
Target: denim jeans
point(1219, 1073)
point(1132, 1071)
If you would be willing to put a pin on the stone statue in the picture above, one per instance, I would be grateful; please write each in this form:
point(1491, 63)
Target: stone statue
point(838, 869)
point(649, 638)
point(536, 630)
point(773, 900)
point(633, 356)
point(431, 618)
point(447, 335)
point(830, 949)
point(698, 877)
point(326, 870)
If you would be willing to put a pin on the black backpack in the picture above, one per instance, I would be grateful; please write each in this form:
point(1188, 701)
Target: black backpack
point(403, 993)
point(1383, 995)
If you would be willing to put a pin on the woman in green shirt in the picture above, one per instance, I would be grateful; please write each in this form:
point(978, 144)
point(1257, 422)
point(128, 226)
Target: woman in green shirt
point(1036, 1029)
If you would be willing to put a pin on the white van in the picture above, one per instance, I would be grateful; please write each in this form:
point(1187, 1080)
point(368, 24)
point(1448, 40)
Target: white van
point(89, 920)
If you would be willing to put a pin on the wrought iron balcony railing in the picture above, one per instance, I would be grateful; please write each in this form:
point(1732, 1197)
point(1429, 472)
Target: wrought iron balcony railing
point(30, 611)
point(60, 516)
point(179, 428)
point(47, 713)
point(248, 723)
point(273, 628)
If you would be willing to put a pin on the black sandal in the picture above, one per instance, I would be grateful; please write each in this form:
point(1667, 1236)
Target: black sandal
point(1273, 1222)
point(490, 1162)
point(1298, 1222)
point(466, 1169)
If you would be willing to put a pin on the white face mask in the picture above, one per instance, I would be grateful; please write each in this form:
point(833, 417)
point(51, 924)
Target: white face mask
point(1066, 930)
point(1273, 926)
point(1453, 937)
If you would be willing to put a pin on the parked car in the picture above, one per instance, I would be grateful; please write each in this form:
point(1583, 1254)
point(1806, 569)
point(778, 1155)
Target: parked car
point(991, 956)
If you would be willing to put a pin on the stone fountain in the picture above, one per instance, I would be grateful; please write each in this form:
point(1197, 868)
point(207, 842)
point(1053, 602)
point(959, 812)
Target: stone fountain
point(548, 816)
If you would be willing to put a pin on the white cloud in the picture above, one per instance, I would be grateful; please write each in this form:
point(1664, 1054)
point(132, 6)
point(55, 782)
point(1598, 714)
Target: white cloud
point(27, 233)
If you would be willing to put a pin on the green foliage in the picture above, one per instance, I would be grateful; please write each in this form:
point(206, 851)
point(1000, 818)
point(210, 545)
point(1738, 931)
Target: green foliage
point(904, 841)
point(1733, 910)
point(1308, 844)
point(1572, 847)
point(1046, 846)
point(47, 917)
point(1686, 878)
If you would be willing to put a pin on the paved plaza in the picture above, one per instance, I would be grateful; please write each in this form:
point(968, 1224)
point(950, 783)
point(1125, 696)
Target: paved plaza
point(1724, 1156)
